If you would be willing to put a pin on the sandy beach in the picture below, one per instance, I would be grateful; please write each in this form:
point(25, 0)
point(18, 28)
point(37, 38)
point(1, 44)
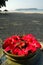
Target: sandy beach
point(21, 23)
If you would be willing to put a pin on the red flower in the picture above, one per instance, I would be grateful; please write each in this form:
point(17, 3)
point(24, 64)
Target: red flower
point(20, 46)
point(7, 49)
point(21, 53)
point(36, 44)
point(16, 37)
point(15, 51)
point(7, 42)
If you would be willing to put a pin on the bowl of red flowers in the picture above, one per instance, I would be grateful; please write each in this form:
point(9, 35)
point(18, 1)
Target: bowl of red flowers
point(21, 47)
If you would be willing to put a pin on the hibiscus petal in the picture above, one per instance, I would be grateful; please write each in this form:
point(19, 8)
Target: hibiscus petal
point(7, 49)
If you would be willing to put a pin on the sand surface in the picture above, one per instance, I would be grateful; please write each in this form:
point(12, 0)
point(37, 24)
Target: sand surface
point(21, 23)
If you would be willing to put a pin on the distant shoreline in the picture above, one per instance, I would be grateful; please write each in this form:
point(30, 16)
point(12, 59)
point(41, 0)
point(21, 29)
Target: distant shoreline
point(29, 12)
point(22, 12)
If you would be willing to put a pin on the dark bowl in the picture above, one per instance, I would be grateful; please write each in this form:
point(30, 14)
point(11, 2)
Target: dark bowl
point(16, 57)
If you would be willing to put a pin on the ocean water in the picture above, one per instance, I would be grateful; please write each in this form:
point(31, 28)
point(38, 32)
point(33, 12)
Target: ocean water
point(31, 11)
point(24, 11)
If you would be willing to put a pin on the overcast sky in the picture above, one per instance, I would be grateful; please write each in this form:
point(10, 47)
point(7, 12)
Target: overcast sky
point(15, 4)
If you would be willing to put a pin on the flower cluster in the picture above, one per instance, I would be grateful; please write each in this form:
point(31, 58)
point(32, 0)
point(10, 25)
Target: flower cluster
point(21, 45)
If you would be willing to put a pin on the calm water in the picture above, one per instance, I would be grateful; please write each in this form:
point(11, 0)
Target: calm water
point(31, 11)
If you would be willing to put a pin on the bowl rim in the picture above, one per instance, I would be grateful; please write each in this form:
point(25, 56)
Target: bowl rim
point(20, 58)
point(13, 55)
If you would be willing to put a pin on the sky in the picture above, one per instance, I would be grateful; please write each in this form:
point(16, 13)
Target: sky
point(16, 4)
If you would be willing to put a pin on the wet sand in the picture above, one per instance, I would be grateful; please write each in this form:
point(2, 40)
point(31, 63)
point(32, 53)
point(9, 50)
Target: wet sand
point(21, 23)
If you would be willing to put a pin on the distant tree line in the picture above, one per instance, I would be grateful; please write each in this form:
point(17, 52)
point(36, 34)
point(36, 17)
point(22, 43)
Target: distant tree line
point(3, 3)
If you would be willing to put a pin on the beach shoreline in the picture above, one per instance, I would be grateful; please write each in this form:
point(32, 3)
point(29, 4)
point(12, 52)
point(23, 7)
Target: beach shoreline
point(25, 12)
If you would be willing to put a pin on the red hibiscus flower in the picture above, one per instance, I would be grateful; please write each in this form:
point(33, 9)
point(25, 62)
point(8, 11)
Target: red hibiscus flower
point(21, 45)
